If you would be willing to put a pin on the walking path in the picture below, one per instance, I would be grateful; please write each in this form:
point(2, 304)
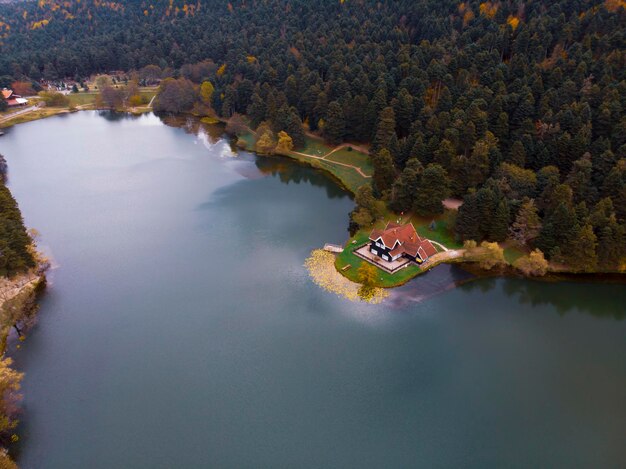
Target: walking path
point(439, 245)
point(440, 257)
point(25, 110)
point(356, 168)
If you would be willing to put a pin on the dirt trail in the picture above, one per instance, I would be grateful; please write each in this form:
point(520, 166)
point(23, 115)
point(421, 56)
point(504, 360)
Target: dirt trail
point(337, 148)
point(348, 145)
point(440, 257)
point(8, 117)
point(356, 168)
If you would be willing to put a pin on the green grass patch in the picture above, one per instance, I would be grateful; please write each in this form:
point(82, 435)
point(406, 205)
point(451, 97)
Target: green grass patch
point(148, 94)
point(513, 253)
point(348, 176)
point(82, 99)
point(441, 232)
point(315, 147)
point(354, 158)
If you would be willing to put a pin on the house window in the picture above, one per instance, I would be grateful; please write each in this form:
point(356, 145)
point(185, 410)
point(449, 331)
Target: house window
point(386, 257)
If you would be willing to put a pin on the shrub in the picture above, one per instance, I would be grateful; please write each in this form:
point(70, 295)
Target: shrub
point(54, 99)
point(535, 264)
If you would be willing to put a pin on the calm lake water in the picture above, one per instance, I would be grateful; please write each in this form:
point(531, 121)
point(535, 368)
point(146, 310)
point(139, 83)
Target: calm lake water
point(181, 330)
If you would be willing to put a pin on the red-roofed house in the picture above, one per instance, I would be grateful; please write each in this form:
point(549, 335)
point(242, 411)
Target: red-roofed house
point(397, 241)
point(13, 99)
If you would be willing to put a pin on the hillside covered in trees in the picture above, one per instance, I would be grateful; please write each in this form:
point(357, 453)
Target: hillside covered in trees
point(16, 255)
point(517, 107)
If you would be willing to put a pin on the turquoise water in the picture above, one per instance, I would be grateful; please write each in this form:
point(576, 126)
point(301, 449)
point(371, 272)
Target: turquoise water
point(181, 330)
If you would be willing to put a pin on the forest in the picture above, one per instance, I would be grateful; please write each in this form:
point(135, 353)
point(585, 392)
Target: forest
point(516, 107)
point(16, 255)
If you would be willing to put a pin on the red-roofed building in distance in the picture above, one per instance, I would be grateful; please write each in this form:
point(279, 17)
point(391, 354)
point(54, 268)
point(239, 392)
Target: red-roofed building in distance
point(397, 241)
point(12, 99)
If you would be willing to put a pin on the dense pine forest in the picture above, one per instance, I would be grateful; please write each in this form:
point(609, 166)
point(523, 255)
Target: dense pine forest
point(15, 253)
point(516, 107)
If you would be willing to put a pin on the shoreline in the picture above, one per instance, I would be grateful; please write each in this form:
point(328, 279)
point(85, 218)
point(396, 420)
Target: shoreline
point(553, 273)
point(23, 290)
point(503, 271)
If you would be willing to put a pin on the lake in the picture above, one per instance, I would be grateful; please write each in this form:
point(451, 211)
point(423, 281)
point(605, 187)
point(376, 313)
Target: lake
point(181, 330)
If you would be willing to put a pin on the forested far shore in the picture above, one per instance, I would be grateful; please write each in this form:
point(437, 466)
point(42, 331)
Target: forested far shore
point(517, 108)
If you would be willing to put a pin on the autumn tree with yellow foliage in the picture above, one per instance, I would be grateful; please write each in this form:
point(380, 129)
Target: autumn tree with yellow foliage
point(285, 143)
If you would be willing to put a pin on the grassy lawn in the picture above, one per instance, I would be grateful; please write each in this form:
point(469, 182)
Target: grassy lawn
point(148, 93)
point(442, 233)
point(512, 252)
point(315, 147)
point(386, 280)
point(80, 99)
point(348, 176)
point(354, 158)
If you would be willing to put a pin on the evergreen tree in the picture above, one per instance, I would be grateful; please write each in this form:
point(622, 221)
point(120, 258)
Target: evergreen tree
point(256, 111)
point(375, 107)
point(404, 111)
point(367, 209)
point(229, 102)
point(559, 228)
point(405, 187)
point(14, 241)
point(445, 153)
point(294, 128)
point(611, 245)
point(579, 179)
point(385, 129)
point(433, 188)
point(384, 172)
point(500, 222)
point(580, 252)
point(335, 125)
point(468, 219)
